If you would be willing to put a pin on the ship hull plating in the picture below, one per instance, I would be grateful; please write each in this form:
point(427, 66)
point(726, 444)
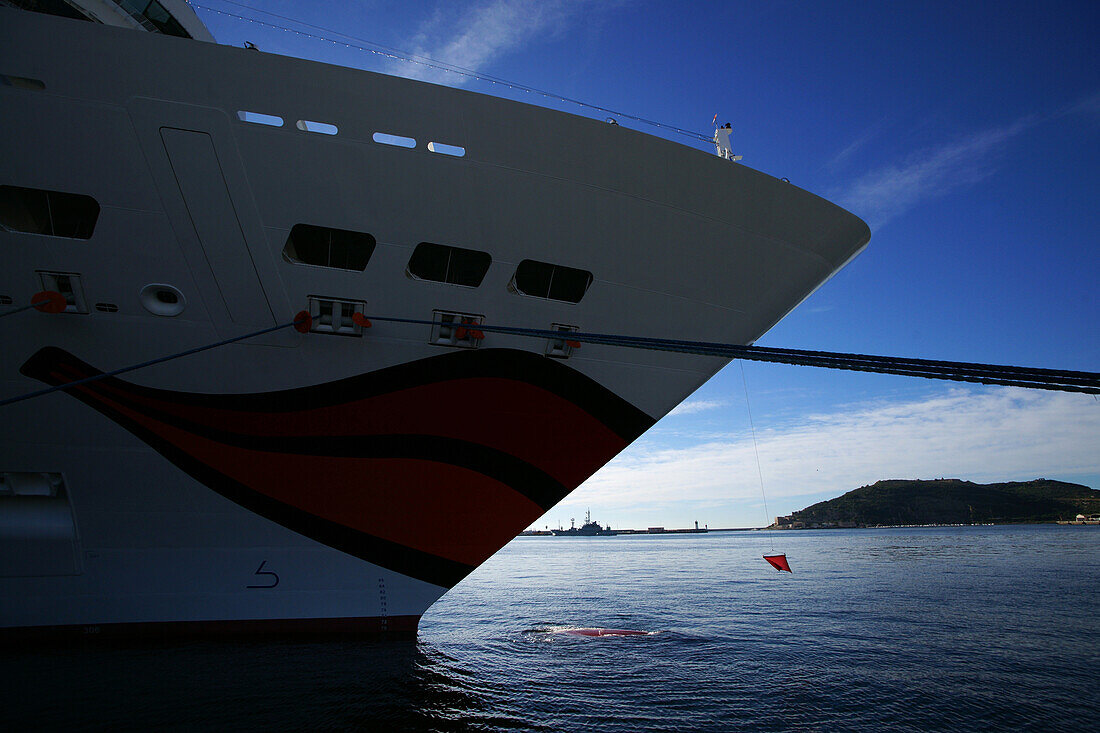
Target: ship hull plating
point(323, 481)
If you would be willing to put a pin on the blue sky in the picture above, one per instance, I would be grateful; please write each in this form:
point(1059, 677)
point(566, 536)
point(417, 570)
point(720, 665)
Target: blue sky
point(966, 134)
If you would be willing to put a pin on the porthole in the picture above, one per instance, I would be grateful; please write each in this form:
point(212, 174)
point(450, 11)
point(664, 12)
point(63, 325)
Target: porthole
point(322, 127)
point(259, 118)
point(399, 140)
point(456, 150)
point(161, 299)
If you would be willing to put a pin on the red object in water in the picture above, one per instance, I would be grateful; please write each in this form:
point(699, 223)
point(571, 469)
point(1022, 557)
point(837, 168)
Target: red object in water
point(779, 562)
point(360, 320)
point(606, 632)
point(303, 321)
point(49, 301)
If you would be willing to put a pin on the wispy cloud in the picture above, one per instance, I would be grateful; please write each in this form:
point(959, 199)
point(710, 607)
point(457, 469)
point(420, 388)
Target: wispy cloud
point(692, 406)
point(1088, 104)
point(474, 38)
point(882, 194)
point(976, 435)
point(844, 156)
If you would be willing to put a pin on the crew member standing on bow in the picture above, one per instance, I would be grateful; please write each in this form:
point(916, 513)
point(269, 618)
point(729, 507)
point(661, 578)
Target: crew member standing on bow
point(722, 142)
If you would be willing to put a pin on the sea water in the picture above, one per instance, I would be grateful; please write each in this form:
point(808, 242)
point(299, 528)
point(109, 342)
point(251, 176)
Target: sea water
point(959, 628)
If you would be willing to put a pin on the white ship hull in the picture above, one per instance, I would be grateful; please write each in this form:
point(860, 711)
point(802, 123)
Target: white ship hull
point(316, 481)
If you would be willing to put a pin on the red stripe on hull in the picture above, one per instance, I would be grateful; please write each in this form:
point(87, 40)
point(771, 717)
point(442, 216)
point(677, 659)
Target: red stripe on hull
point(433, 507)
point(348, 626)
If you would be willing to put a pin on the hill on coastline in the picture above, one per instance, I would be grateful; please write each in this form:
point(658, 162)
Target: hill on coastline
point(952, 501)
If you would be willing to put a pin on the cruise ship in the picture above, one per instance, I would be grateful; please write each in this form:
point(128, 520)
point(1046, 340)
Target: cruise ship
point(342, 474)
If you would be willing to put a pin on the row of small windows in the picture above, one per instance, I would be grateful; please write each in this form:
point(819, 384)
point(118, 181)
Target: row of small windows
point(341, 249)
point(60, 214)
point(327, 128)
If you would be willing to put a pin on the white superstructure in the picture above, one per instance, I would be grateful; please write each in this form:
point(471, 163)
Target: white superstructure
point(180, 193)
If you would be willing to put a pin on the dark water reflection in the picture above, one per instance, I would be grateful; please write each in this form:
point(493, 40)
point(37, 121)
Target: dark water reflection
point(922, 629)
point(253, 685)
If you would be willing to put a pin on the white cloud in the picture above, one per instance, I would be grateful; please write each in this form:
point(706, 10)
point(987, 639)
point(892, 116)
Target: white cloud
point(476, 37)
point(890, 191)
point(844, 156)
point(692, 406)
point(979, 435)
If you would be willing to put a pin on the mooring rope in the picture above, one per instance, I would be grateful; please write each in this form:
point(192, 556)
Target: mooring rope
point(1012, 376)
point(300, 320)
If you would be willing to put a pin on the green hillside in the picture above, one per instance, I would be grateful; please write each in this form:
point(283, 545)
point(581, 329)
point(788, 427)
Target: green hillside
point(951, 501)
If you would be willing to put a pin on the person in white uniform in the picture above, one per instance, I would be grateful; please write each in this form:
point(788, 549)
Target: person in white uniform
point(722, 142)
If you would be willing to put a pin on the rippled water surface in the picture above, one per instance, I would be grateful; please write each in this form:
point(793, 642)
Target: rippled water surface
point(906, 629)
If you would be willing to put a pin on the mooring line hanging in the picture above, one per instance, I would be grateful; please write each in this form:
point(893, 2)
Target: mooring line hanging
point(776, 560)
point(755, 449)
point(302, 322)
point(398, 55)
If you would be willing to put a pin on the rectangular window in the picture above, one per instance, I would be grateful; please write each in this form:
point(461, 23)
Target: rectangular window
point(341, 249)
point(53, 213)
point(152, 13)
point(164, 21)
point(554, 282)
point(445, 264)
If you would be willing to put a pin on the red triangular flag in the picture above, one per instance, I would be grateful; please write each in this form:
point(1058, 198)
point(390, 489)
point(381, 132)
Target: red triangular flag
point(779, 562)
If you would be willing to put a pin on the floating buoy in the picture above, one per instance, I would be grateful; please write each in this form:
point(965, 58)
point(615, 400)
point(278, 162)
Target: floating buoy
point(779, 562)
point(360, 320)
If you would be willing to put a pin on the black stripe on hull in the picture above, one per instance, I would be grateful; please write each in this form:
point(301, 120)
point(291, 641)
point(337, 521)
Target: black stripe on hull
point(617, 414)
